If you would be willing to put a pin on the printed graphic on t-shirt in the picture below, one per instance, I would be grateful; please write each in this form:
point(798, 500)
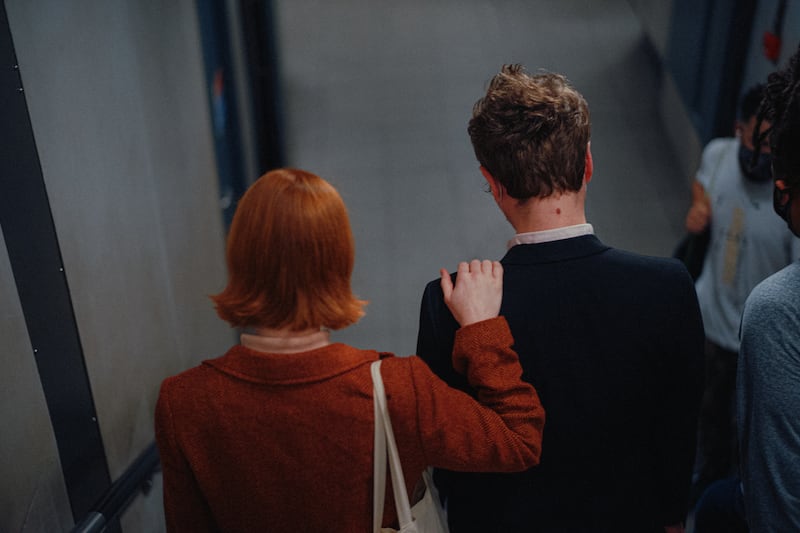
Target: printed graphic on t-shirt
point(733, 243)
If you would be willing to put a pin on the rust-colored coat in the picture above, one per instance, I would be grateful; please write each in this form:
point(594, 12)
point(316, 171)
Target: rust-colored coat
point(253, 441)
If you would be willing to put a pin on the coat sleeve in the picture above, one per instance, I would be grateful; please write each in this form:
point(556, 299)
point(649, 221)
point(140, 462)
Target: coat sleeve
point(501, 431)
point(681, 367)
point(185, 508)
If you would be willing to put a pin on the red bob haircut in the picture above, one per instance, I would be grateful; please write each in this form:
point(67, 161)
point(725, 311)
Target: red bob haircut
point(290, 255)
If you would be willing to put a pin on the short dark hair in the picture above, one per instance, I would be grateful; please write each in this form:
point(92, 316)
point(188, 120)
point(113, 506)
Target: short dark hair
point(781, 108)
point(750, 101)
point(531, 133)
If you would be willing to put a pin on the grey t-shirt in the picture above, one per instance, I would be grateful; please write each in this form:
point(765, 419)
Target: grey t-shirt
point(768, 403)
point(748, 241)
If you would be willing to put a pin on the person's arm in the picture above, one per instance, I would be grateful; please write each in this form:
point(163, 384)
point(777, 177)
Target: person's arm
point(699, 215)
point(681, 373)
point(185, 509)
point(768, 402)
point(502, 430)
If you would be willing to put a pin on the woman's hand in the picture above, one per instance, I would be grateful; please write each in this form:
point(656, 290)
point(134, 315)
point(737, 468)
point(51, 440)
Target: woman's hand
point(478, 291)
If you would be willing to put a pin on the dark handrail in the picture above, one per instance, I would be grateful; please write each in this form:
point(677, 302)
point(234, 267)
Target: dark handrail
point(138, 477)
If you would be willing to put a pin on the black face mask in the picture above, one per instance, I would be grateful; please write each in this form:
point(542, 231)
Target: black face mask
point(762, 171)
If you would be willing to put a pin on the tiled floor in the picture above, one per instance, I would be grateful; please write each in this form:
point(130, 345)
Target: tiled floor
point(378, 95)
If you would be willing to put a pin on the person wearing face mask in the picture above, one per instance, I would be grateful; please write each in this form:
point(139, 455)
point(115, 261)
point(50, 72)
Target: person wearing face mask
point(732, 194)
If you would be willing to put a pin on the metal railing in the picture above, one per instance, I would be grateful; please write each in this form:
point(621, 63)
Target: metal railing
point(138, 478)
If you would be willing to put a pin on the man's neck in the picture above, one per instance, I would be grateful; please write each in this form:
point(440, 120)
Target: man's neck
point(538, 214)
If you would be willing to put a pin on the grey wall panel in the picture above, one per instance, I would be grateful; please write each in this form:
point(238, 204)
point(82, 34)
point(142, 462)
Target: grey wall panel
point(378, 103)
point(32, 493)
point(758, 67)
point(119, 111)
point(655, 16)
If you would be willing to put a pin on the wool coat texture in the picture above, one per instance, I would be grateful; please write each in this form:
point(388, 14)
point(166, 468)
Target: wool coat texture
point(254, 441)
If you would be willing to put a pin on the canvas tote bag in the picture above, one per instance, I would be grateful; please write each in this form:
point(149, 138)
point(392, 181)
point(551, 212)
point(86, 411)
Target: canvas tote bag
point(427, 515)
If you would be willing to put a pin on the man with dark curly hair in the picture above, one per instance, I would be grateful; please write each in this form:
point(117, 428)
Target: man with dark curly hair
point(768, 381)
point(747, 243)
point(612, 340)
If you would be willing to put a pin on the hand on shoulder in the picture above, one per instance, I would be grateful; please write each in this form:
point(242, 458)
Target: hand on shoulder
point(477, 293)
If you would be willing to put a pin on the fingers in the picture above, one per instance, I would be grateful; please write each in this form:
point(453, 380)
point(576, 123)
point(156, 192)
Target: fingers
point(482, 267)
point(474, 267)
point(487, 267)
point(497, 270)
point(447, 284)
point(477, 292)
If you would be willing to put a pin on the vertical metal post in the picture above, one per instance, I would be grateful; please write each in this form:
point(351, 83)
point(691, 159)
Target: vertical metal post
point(35, 257)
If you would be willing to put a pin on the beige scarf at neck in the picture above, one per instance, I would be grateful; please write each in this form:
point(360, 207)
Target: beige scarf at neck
point(285, 341)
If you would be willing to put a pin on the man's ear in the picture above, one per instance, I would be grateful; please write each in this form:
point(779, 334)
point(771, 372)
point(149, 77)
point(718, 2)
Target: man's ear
point(588, 168)
point(496, 187)
point(780, 184)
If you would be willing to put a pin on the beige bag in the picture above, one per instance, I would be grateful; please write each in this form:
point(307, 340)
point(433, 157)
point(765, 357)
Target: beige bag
point(427, 515)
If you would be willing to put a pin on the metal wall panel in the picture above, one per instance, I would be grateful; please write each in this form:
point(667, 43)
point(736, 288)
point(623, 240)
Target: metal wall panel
point(116, 99)
point(32, 494)
point(35, 260)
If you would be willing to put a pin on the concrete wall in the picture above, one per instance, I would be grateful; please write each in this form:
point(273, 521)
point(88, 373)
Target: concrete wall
point(119, 111)
point(656, 19)
point(757, 66)
point(655, 16)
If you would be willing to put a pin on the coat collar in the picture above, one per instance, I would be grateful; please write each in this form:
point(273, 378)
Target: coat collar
point(292, 368)
point(554, 251)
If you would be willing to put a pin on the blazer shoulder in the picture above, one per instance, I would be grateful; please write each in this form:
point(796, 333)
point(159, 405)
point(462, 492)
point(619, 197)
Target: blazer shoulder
point(433, 298)
point(665, 272)
point(647, 262)
point(434, 288)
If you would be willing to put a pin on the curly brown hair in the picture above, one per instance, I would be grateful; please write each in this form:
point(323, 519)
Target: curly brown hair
point(531, 133)
point(781, 108)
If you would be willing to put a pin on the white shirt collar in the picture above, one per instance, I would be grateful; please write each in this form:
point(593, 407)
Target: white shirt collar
point(548, 235)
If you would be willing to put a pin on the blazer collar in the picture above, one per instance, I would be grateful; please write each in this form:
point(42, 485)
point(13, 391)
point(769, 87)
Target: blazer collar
point(554, 251)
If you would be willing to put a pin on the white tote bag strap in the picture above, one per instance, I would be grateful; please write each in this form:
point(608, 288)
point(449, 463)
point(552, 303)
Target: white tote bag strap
point(379, 462)
point(398, 482)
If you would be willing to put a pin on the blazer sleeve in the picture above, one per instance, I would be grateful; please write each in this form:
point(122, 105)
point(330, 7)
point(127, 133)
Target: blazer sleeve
point(682, 367)
point(436, 334)
point(185, 508)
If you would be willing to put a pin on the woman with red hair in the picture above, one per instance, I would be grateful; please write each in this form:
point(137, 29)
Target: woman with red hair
point(277, 434)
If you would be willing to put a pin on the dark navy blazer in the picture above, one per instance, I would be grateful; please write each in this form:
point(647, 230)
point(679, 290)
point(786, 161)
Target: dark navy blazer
point(613, 343)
